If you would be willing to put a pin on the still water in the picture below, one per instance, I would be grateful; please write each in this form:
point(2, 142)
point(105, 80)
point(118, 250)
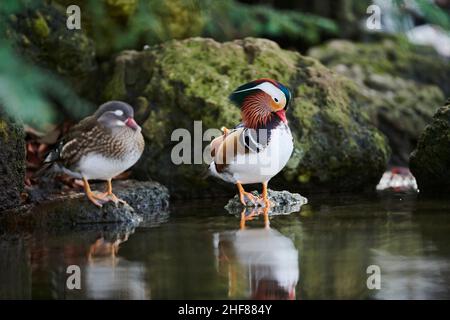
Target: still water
point(197, 250)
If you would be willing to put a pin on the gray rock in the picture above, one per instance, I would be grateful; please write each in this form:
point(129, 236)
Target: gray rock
point(282, 202)
point(144, 199)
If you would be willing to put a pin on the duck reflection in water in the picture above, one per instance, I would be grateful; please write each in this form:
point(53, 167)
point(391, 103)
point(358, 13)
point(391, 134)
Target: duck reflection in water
point(105, 249)
point(109, 276)
point(258, 263)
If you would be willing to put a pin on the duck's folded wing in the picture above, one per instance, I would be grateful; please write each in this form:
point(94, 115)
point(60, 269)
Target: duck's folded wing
point(84, 142)
point(226, 148)
point(68, 150)
point(254, 140)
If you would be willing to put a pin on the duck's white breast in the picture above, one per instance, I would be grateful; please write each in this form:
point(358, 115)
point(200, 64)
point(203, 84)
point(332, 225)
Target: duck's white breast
point(97, 166)
point(271, 254)
point(261, 167)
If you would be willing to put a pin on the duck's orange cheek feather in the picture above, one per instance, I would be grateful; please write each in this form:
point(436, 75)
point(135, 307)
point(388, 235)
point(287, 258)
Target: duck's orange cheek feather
point(275, 106)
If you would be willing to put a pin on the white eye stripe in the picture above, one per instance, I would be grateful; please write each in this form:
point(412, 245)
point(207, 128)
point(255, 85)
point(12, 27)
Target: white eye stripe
point(270, 89)
point(118, 113)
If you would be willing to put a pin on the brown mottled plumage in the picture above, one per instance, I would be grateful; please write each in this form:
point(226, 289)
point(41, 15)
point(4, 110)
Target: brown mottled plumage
point(97, 138)
point(100, 146)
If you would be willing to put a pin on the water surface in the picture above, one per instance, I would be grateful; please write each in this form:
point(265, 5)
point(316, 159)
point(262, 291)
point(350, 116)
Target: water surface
point(197, 250)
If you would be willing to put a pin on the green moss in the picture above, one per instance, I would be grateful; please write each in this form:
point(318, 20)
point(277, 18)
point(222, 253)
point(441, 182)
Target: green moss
point(391, 56)
point(121, 8)
point(4, 130)
point(304, 178)
point(40, 26)
point(180, 18)
point(12, 162)
point(41, 36)
point(115, 88)
point(399, 86)
point(430, 161)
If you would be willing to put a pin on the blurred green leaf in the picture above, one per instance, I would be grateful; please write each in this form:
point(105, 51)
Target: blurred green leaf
point(230, 19)
point(33, 95)
point(433, 14)
point(29, 93)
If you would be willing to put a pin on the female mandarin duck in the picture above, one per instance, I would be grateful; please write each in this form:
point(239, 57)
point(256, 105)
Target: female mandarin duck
point(100, 147)
point(259, 147)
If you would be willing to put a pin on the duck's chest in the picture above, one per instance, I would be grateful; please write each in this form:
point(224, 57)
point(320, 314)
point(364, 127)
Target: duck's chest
point(255, 167)
point(119, 156)
point(280, 145)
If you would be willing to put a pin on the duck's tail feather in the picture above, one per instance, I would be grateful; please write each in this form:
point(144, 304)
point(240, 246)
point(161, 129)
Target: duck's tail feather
point(48, 170)
point(51, 166)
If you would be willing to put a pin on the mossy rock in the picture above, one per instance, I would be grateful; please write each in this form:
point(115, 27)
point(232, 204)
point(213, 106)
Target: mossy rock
point(12, 162)
point(430, 162)
point(394, 56)
point(40, 35)
point(336, 147)
point(114, 25)
point(401, 83)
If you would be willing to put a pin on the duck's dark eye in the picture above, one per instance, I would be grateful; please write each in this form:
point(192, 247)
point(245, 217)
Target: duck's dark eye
point(276, 100)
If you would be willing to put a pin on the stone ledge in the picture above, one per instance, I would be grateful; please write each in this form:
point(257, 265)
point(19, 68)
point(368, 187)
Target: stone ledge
point(144, 198)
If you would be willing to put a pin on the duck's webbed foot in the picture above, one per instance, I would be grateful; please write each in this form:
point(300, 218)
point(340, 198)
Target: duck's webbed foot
point(90, 195)
point(116, 200)
point(243, 195)
point(110, 196)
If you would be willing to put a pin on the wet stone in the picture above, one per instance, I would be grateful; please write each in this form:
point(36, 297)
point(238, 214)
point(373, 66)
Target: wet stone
point(282, 202)
point(144, 198)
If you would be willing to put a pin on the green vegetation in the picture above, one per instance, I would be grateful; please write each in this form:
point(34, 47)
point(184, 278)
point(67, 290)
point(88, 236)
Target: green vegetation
point(230, 20)
point(30, 90)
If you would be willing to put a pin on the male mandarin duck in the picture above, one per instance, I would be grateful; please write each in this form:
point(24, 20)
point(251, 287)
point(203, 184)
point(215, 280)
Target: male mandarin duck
point(261, 145)
point(99, 147)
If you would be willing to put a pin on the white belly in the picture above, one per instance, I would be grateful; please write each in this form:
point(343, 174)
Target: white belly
point(96, 166)
point(270, 254)
point(261, 167)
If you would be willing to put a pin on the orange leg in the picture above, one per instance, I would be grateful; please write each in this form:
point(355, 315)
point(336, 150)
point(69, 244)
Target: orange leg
point(243, 194)
point(265, 195)
point(109, 195)
point(252, 215)
point(266, 218)
point(242, 224)
point(91, 196)
point(247, 217)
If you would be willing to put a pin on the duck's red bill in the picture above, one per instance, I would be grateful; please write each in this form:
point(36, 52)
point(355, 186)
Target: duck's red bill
point(282, 115)
point(131, 123)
